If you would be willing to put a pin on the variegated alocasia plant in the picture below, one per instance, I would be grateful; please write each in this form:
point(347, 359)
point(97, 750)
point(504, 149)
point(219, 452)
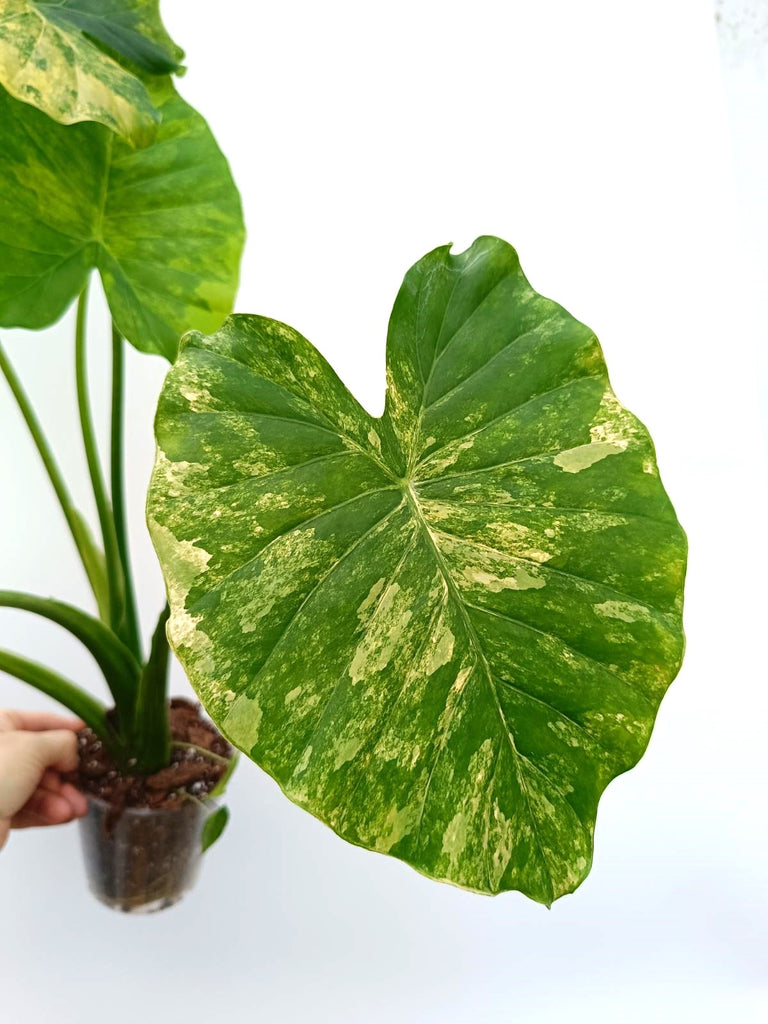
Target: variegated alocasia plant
point(442, 631)
point(104, 167)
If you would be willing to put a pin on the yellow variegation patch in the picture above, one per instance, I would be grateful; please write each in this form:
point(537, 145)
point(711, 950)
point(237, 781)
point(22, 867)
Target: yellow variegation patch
point(47, 60)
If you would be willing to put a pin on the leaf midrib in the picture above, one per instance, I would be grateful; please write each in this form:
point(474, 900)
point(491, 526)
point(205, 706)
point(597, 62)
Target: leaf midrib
point(482, 662)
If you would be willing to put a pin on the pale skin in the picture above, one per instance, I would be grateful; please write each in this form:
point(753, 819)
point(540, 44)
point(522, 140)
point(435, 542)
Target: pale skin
point(35, 748)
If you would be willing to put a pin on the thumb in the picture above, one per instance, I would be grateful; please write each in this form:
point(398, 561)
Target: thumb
point(24, 757)
point(55, 748)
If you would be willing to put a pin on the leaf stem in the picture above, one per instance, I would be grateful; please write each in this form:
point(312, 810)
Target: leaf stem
point(117, 489)
point(86, 549)
point(65, 692)
point(118, 665)
point(106, 520)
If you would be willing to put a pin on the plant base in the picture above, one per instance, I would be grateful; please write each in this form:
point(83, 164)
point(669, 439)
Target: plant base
point(142, 836)
point(147, 859)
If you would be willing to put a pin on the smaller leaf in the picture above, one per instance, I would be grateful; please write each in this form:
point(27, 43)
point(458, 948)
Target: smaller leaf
point(162, 224)
point(214, 826)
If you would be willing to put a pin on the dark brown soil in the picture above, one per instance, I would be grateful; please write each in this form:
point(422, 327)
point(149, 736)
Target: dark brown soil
point(190, 772)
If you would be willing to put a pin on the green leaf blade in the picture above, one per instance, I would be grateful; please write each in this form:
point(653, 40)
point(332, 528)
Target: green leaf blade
point(447, 633)
point(172, 231)
point(162, 224)
point(47, 243)
point(214, 825)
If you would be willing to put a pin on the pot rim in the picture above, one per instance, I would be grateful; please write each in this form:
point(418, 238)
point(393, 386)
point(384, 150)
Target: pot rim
point(208, 804)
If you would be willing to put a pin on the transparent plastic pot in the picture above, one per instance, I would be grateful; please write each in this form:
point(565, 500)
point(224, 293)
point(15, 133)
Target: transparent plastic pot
point(146, 860)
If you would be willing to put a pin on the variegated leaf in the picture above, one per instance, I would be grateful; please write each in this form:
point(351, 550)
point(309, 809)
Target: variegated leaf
point(443, 631)
point(162, 224)
point(50, 58)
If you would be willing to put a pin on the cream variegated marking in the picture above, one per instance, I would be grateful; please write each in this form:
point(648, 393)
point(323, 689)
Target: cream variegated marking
point(574, 460)
point(477, 637)
point(48, 62)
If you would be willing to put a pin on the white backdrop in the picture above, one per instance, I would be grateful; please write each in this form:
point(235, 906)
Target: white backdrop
point(593, 136)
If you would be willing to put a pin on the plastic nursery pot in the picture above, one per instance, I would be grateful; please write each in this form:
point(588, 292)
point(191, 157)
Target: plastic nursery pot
point(146, 859)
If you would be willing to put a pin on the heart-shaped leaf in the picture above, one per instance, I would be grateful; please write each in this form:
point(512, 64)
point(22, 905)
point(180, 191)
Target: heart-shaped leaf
point(444, 631)
point(162, 224)
point(49, 58)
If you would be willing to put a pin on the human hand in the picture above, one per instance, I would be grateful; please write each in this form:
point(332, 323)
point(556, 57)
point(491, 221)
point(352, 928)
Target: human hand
point(35, 747)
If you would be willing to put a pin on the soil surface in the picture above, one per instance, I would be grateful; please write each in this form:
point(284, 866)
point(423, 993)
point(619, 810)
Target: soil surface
point(190, 772)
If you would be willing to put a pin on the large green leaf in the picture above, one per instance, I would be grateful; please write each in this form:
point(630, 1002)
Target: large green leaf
point(49, 58)
point(162, 224)
point(443, 631)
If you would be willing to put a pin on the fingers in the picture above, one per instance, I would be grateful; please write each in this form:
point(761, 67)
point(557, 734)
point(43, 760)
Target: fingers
point(37, 721)
point(52, 783)
point(43, 808)
point(53, 803)
point(77, 800)
point(31, 789)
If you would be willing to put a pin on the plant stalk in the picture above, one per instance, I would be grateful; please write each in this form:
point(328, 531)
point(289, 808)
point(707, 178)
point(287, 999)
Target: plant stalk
point(118, 665)
point(103, 508)
point(89, 554)
point(65, 692)
point(117, 489)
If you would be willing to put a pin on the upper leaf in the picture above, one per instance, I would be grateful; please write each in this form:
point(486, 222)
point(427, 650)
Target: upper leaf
point(162, 224)
point(443, 631)
point(132, 29)
point(50, 58)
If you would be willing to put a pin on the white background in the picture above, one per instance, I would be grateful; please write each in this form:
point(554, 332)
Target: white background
point(593, 136)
